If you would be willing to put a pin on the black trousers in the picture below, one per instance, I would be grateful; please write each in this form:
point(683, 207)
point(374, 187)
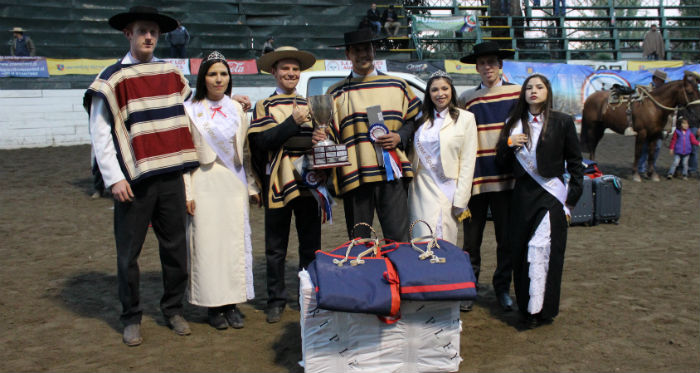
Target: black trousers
point(277, 223)
point(159, 200)
point(474, 234)
point(390, 199)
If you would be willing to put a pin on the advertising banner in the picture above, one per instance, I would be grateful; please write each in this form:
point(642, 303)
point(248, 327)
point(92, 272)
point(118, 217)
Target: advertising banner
point(572, 84)
point(651, 65)
point(456, 67)
point(601, 65)
point(80, 66)
point(416, 67)
point(345, 65)
point(23, 67)
point(236, 67)
point(463, 23)
point(181, 63)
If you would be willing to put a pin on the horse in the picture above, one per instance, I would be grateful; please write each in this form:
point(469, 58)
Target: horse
point(648, 116)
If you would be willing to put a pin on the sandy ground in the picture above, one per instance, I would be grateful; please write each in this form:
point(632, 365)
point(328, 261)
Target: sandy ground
point(630, 297)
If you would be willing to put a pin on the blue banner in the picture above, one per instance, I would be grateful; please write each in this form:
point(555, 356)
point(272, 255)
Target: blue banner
point(572, 84)
point(23, 67)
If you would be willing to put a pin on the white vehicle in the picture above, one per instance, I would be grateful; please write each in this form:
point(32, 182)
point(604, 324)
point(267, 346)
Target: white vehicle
point(313, 83)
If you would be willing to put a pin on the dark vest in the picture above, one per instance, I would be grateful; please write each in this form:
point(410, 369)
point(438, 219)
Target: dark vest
point(21, 48)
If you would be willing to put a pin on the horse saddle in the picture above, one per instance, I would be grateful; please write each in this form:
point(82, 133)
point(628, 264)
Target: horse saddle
point(620, 93)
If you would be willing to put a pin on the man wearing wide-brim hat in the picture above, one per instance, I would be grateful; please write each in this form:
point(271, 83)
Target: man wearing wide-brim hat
point(379, 172)
point(279, 136)
point(142, 143)
point(21, 45)
point(658, 78)
point(490, 102)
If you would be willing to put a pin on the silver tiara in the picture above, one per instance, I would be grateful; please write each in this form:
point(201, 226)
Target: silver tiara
point(441, 74)
point(215, 55)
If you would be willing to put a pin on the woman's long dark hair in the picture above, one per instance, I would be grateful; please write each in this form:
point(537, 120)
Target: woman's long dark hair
point(201, 92)
point(428, 108)
point(520, 111)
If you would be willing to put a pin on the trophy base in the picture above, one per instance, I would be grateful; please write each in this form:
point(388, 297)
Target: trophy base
point(329, 156)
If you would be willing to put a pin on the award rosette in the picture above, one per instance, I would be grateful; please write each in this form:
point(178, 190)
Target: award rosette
point(387, 158)
point(315, 181)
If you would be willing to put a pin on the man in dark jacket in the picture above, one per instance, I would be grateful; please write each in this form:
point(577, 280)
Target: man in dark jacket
point(178, 39)
point(375, 19)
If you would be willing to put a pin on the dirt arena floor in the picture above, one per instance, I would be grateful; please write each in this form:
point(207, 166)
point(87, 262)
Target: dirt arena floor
point(630, 297)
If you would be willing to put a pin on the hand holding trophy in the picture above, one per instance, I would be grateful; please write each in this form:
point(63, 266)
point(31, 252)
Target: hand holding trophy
point(326, 153)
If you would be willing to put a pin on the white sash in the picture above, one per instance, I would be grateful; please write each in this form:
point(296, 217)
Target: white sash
point(528, 159)
point(219, 132)
point(446, 185)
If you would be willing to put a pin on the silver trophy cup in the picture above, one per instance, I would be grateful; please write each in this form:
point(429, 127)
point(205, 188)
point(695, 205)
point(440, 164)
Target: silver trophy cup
point(326, 153)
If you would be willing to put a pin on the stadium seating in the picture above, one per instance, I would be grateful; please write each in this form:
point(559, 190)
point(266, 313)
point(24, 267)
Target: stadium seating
point(79, 29)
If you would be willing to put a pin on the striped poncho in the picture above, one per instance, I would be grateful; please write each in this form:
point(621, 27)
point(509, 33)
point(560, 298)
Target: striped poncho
point(284, 181)
point(491, 108)
point(149, 125)
point(351, 97)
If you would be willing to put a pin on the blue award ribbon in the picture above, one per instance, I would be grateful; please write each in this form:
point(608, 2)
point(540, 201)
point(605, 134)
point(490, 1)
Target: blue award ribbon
point(377, 130)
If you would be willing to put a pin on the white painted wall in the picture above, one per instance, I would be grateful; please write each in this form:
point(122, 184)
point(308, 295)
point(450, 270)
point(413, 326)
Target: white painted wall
point(55, 117)
point(39, 118)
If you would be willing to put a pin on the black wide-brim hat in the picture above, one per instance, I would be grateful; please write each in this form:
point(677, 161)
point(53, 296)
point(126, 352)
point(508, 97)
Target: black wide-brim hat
point(487, 48)
point(360, 36)
point(143, 13)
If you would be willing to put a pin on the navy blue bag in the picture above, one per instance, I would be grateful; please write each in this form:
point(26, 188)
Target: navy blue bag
point(355, 277)
point(432, 269)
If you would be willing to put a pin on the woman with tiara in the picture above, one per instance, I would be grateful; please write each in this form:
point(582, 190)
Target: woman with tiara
point(218, 193)
point(445, 146)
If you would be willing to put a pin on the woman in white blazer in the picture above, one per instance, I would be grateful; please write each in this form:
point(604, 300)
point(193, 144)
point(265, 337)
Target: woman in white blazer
point(444, 154)
point(218, 192)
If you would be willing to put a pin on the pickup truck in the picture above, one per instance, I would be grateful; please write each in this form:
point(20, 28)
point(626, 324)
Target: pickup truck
point(313, 83)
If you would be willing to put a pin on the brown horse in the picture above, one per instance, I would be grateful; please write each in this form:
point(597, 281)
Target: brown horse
point(648, 116)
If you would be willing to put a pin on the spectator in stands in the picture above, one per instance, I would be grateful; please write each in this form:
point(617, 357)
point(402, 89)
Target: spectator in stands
point(267, 46)
point(375, 19)
point(21, 45)
point(653, 45)
point(142, 153)
point(220, 260)
point(391, 19)
point(490, 102)
point(280, 135)
point(366, 185)
point(178, 39)
point(364, 23)
point(559, 8)
point(539, 145)
point(658, 79)
point(505, 7)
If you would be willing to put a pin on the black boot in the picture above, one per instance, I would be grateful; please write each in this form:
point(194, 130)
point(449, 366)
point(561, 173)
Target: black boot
point(216, 318)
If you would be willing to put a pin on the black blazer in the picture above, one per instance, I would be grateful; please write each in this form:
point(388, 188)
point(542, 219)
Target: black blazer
point(557, 145)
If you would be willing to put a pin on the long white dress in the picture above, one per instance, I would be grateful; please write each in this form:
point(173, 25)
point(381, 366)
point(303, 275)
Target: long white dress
point(220, 249)
point(445, 154)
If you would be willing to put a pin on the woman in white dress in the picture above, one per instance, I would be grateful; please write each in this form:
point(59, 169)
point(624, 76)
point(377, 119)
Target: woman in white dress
point(218, 192)
point(445, 145)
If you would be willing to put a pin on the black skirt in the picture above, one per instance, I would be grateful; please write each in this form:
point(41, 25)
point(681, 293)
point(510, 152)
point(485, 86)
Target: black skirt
point(529, 206)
